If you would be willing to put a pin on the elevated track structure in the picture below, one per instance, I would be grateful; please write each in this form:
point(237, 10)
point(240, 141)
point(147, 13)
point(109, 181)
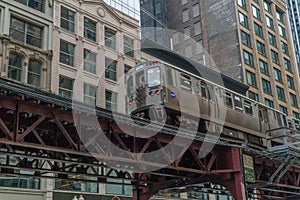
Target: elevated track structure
point(38, 129)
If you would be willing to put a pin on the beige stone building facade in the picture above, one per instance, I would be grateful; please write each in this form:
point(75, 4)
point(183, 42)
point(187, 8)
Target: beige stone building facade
point(77, 49)
point(26, 41)
point(93, 45)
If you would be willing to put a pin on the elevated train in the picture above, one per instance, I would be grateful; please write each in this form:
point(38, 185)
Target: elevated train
point(154, 89)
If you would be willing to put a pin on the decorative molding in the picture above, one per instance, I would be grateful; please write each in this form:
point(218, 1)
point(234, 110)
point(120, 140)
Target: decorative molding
point(101, 12)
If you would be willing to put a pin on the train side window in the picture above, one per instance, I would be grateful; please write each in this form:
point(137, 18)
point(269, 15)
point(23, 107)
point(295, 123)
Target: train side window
point(228, 99)
point(170, 79)
point(203, 91)
point(210, 92)
point(248, 107)
point(238, 105)
point(185, 82)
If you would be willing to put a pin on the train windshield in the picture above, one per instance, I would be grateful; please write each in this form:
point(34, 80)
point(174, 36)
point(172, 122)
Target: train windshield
point(153, 76)
point(129, 86)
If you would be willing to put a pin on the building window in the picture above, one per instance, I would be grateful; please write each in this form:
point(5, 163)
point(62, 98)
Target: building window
point(290, 81)
point(128, 46)
point(111, 100)
point(197, 28)
point(248, 58)
point(90, 29)
point(157, 8)
point(263, 67)
point(275, 57)
point(287, 65)
point(89, 92)
point(184, 2)
point(90, 60)
point(272, 39)
point(34, 72)
point(267, 6)
point(258, 30)
point(199, 47)
point(283, 109)
point(175, 38)
point(280, 93)
point(35, 4)
point(282, 32)
point(251, 79)
point(242, 3)
point(67, 19)
point(246, 38)
point(277, 75)
point(187, 33)
point(25, 32)
point(15, 66)
point(284, 48)
point(188, 51)
point(110, 38)
point(253, 96)
point(110, 69)
point(66, 86)
point(261, 48)
point(185, 15)
point(196, 10)
point(293, 100)
point(243, 20)
point(296, 115)
point(67, 51)
point(255, 12)
point(270, 22)
point(266, 86)
point(279, 15)
point(269, 103)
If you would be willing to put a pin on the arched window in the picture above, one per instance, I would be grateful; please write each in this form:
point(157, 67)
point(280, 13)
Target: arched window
point(34, 72)
point(15, 66)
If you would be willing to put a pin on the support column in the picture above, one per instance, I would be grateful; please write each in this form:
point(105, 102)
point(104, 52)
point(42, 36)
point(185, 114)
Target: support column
point(231, 159)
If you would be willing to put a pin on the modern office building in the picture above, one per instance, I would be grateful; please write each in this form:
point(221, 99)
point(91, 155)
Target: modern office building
point(154, 21)
point(248, 40)
point(129, 7)
point(294, 16)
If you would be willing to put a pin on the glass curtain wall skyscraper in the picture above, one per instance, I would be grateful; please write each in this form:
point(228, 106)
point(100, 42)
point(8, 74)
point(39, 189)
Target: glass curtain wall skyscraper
point(129, 7)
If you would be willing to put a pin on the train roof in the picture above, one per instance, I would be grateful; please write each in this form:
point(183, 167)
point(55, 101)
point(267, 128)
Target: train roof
point(152, 48)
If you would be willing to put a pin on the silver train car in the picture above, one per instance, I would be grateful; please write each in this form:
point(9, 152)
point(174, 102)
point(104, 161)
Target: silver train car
point(156, 91)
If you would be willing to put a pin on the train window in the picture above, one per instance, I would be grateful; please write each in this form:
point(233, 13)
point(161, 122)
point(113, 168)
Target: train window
point(228, 99)
point(203, 91)
point(130, 86)
point(139, 78)
point(185, 82)
point(248, 107)
point(153, 77)
point(170, 79)
point(238, 105)
point(210, 92)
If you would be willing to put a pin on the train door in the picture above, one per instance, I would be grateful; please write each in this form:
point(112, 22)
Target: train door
point(203, 97)
point(171, 91)
point(263, 119)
